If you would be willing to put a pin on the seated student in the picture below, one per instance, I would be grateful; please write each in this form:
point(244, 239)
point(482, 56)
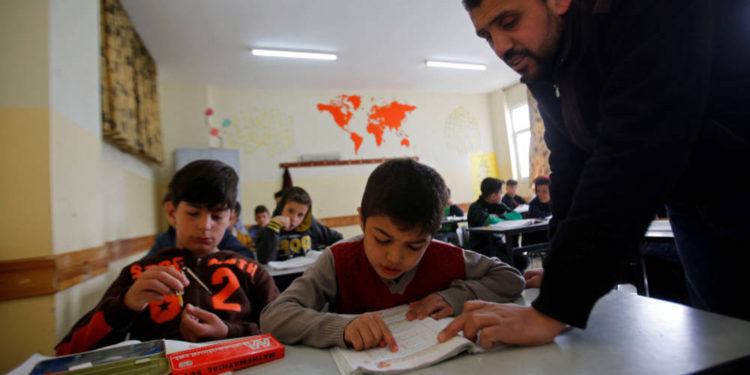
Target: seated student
point(447, 232)
point(146, 300)
point(488, 210)
point(394, 262)
point(510, 198)
point(262, 217)
point(169, 237)
point(293, 231)
point(539, 207)
point(237, 228)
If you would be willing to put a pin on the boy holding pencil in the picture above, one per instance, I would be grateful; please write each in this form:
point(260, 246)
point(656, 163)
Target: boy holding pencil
point(193, 292)
point(394, 262)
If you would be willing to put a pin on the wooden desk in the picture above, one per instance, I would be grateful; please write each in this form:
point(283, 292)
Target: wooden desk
point(627, 334)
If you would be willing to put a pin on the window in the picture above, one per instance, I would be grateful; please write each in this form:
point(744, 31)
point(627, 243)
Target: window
point(521, 138)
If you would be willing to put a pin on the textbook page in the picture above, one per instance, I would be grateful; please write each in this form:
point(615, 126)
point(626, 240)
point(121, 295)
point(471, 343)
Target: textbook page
point(417, 346)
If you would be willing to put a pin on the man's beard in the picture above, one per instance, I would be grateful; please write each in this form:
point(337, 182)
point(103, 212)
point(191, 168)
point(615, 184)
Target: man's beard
point(545, 55)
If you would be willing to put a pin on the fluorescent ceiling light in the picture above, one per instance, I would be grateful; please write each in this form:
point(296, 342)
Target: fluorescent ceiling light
point(452, 65)
point(293, 54)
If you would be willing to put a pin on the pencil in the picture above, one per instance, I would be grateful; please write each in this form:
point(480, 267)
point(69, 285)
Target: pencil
point(189, 272)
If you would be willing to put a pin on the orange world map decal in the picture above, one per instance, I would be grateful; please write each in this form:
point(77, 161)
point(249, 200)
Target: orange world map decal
point(380, 118)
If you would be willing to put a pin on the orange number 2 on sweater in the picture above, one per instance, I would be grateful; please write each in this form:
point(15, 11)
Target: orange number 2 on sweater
point(221, 274)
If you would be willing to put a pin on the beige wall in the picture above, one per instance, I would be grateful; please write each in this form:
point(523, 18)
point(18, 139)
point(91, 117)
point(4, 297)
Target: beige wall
point(337, 190)
point(63, 189)
point(25, 215)
point(24, 36)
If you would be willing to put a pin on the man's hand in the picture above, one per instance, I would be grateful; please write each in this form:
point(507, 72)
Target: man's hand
point(367, 331)
point(533, 277)
point(153, 285)
point(433, 305)
point(498, 323)
point(201, 325)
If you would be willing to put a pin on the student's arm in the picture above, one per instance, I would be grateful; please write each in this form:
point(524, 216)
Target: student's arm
point(536, 211)
point(489, 220)
point(268, 242)
point(295, 317)
point(456, 211)
point(325, 235)
point(487, 279)
point(230, 242)
point(108, 323)
point(261, 291)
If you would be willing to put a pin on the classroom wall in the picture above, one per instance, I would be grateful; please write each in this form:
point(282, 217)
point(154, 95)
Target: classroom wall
point(25, 183)
point(269, 127)
point(63, 188)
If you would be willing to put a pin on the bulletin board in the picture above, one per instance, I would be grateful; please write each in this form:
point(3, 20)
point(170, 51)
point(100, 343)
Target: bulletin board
point(483, 164)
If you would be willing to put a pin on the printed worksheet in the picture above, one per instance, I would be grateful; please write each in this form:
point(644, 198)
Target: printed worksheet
point(417, 346)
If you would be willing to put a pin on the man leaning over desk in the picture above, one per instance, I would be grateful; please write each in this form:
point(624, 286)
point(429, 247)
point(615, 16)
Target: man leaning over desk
point(652, 91)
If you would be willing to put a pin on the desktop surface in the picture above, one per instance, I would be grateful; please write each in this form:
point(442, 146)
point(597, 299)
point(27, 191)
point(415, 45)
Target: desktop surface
point(627, 334)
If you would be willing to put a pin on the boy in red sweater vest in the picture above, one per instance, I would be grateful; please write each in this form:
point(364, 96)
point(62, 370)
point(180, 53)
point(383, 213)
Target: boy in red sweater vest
point(394, 262)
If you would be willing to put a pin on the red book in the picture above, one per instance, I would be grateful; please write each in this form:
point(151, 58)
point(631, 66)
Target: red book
point(226, 356)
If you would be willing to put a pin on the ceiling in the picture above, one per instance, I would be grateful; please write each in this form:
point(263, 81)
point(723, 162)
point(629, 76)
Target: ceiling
point(381, 44)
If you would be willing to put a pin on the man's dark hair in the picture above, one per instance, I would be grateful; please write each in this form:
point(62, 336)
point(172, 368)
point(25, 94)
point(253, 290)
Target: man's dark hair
point(541, 181)
point(207, 182)
point(260, 208)
point(296, 194)
point(511, 183)
point(409, 193)
point(471, 4)
point(491, 185)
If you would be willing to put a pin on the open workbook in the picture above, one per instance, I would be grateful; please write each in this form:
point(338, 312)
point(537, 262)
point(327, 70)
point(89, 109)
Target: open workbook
point(417, 346)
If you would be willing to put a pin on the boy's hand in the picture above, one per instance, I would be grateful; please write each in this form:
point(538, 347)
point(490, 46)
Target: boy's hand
point(367, 331)
point(433, 305)
point(283, 220)
point(503, 323)
point(153, 285)
point(201, 325)
point(533, 277)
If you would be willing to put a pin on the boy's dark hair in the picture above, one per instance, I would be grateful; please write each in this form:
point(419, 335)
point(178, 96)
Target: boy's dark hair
point(167, 198)
point(207, 182)
point(260, 208)
point(280, 193)
point(296, 194)
point(237, 208)
point(471, 4)
point(541, 181)
point(491, 185)
point(409, 193)
point(511, 183)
